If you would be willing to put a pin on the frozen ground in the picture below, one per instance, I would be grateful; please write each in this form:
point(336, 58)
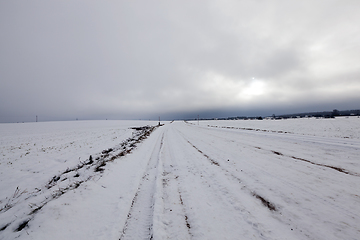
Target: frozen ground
point(216, 180)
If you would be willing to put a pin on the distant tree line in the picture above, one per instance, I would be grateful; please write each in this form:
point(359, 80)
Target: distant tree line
point(325, 114)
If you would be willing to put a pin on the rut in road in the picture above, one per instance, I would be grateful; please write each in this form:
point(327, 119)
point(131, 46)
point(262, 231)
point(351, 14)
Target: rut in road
point(158, 206)
point(226, 168)
point(175, 220)
point(139, 222)
point(200, 185)
point(285, 188)
point(205, 187)
point(271, 206)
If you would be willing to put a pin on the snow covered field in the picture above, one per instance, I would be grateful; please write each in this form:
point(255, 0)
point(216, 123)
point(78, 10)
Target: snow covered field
point(343, 127)
point(288, 179)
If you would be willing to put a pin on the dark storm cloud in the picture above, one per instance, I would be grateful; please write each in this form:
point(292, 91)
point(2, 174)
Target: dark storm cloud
point(141, 59)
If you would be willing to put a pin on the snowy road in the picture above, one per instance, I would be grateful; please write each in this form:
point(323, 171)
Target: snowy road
point(222, 184)
point(196, 182)
point(270, 186)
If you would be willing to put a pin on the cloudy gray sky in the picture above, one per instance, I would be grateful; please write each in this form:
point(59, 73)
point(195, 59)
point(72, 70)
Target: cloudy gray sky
point(114, 59)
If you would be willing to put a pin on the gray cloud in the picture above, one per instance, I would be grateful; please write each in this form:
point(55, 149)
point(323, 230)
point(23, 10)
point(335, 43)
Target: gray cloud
point(121, 59)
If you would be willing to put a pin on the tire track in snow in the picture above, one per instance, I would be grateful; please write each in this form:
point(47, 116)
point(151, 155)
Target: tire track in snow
point(157, 210)
point(266, 202)
point(175, 217)
point(174, 220)
point(339, 169)
point(139, 222)
point(177, 181)
point(234, 200)
point(286, 215)
point(271, 206)
point(227, 194)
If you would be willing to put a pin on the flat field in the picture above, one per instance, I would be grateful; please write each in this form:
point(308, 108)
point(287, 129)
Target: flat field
point(244, 179)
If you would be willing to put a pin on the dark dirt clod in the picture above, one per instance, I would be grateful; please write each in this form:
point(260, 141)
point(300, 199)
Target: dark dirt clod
point(277, 153)
point(76, 185)
point(100, 168)
point(266, 203)
point(36, 210)
point(4, 227)
point(67, 170)
point(107, 151)
point(90, 160)
point(53, 181)
point(56, 178)
point(22, 225)
point(187, 222)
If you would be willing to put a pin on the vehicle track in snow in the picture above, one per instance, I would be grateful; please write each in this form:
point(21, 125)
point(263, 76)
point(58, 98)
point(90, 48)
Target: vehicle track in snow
point(228, 192)
point(139, 222)
point(190, 182)
point(172, 209)
point(257, 175)
point(310, 141)
point(278, 159)
point(174, 221)
point(228, 171)
point(190, 175)
point(158, 206)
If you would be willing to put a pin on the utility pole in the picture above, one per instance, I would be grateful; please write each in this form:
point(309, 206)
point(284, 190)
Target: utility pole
point(159, 120)
point(36, 118)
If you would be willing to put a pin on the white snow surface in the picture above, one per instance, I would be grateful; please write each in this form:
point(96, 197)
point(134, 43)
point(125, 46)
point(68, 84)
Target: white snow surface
point(284, 179)
point(340, 127)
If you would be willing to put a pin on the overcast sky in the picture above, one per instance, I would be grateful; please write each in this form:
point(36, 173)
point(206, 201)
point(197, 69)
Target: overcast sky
point(63, 60)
